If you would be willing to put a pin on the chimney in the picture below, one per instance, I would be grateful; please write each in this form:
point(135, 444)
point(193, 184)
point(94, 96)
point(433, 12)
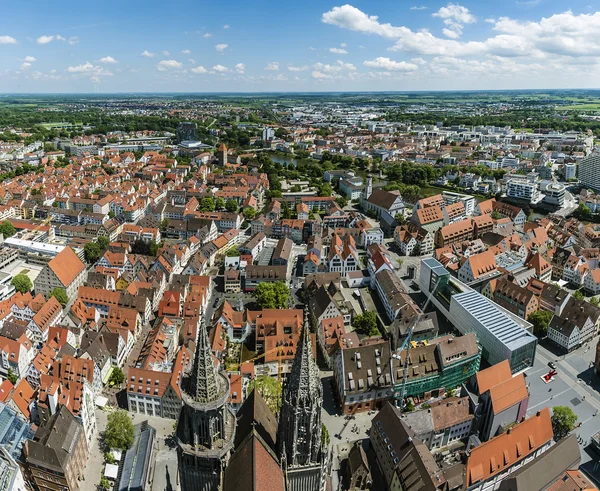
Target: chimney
point(538, 413)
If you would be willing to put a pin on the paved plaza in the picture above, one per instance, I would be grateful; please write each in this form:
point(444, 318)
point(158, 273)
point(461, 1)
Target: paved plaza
point(575, 386)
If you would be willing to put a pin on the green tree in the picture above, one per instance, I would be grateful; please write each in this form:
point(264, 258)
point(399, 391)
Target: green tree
point(342, 201)
point(117, 377)
point(104, 483)
point(594, 301)
point(22, 283)
point(325, 438)
point(12, 376)
point(231, 206)
point(153, 248)
point(578, 295)
point(249, 213)
point(102, 242)
point(540, 320)
point(366, 323)
point(233, 252)
point(584, 211)
point(207, 204)
point(61, 295)
point(496, 215)
point(119, 431)
point(7, 229)
point(272, 295)
point(164, 223)
point(111, 214)
point(270, 390)
point(92, 252)
point(219, 203)
point(563, 421)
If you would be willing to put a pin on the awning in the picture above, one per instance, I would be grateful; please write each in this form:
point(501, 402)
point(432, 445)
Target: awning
point(111, 471)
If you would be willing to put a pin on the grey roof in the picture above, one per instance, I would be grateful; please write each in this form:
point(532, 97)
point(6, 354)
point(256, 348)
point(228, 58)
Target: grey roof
point(383, 199)
point(562, 326)
point(55, 442)
point(366, 367)
point(319, 301)
point(283, 250)
point(137, 462)
point(546, 468)
point(494, 320)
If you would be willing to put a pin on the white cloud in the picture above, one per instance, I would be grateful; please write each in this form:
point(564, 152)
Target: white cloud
point(454, 17)
point(221, 47)
point(220, 68)
point(343, 45)
point(226, 26)
point(108, 59)
point(165, 53)
point(192, 61)
point(7, 40)
point(207, 35)
point(73, 40)
point(419, 7)
point(29, 59)
point(338, 51)
point(490, 20)
point(60, 38)
point(350, 17)
point(46, 39)
point(186, 52)
point(293, 68)
point(320, 75)
point(455, 12)
point(382, 63)
point(148, 54)
point(164, 65)
point(272, 67)
point(88, 68)
point(338, 67)
point(240, 68)
point(199, 69)
point(418, 61)
point(25, 66)
point(566, 34)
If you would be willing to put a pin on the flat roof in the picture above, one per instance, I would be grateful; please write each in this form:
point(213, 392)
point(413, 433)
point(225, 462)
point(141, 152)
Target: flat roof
point(492, 318)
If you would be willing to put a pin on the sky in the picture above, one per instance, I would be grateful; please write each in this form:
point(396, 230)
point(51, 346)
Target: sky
point(310, 45)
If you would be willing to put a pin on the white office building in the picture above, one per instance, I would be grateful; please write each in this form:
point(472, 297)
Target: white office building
point(554, 193)
point(523, 187)
point(268, 133)
point(570, 171)
point(589, 171)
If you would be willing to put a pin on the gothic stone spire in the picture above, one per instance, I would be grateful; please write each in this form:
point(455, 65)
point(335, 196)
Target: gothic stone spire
point(300, 416)
point(204, 387)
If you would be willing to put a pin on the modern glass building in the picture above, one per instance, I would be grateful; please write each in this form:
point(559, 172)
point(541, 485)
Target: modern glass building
point(498, 334)
point(501, 334)
point(13, 431)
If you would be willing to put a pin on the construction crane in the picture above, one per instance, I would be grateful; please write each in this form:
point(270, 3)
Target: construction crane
point(278, 349)
point(406, 345)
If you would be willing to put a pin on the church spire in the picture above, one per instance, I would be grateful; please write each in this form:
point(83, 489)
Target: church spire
point(300, 416)
point(304, 378)
point(204, 387)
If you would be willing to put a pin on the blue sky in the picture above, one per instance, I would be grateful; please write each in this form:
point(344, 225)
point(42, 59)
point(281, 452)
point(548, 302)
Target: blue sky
point(312, 45)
